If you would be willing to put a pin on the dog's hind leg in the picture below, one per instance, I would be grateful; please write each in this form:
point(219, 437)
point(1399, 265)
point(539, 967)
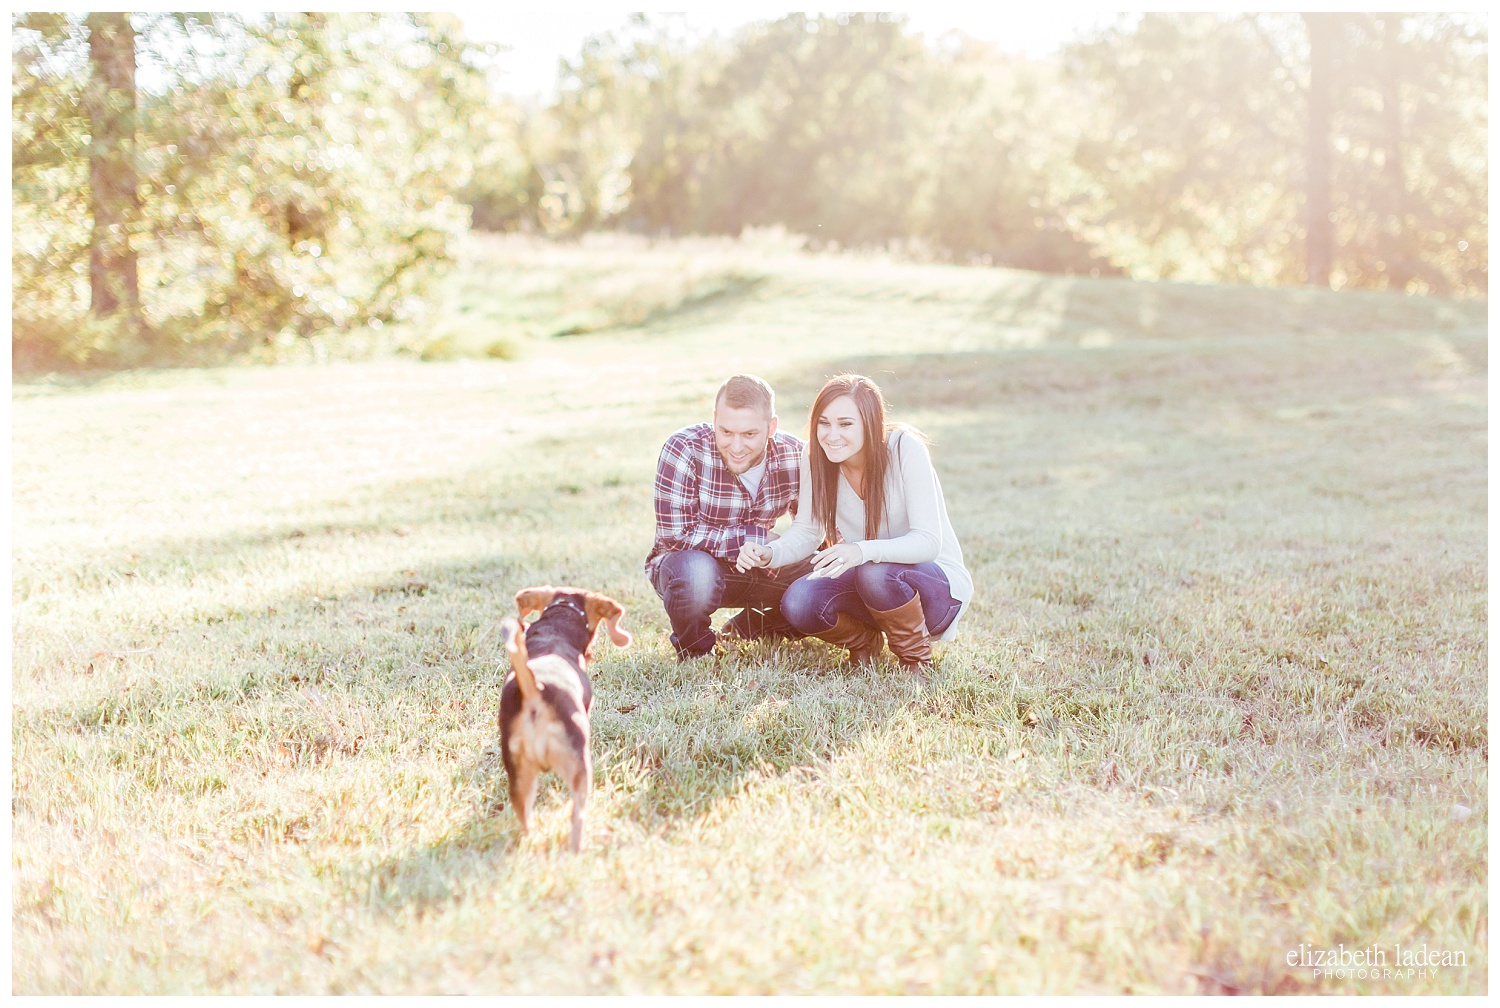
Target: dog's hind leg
point(581, 782)
point(523, 793)
point(576, 770)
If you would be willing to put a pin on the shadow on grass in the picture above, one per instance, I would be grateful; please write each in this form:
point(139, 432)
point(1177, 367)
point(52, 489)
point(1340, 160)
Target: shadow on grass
point(1078, 310)
point(706, 303)
point(1150, 379)
point(670, 742)
point(689, 737)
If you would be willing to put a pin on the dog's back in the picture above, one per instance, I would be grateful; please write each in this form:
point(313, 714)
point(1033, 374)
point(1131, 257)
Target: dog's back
point(544, 704)
point(544, 722)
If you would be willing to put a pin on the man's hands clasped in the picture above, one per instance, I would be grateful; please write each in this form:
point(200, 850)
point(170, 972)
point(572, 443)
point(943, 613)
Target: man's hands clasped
point(827, 563)
point(753, 555)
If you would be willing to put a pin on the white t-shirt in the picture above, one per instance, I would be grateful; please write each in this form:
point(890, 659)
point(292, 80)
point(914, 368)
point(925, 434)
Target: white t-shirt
point(750, 478)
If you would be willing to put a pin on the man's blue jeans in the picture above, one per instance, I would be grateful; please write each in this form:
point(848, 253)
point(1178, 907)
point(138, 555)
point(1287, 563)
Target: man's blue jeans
point(693, 584)
point(812, 605)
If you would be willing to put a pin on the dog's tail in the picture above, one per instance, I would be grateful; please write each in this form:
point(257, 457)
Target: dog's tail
point(515, 643)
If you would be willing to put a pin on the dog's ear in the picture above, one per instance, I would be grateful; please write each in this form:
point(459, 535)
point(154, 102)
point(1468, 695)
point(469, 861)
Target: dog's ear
point(603, 608)
point(530, 600)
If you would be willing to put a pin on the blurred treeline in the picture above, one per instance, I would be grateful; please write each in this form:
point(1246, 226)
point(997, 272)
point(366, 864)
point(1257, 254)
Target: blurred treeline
point(1184, 146)
point(288, 179)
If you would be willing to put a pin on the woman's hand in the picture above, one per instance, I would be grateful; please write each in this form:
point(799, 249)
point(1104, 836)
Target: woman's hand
point(836, 560)
point(752, 555)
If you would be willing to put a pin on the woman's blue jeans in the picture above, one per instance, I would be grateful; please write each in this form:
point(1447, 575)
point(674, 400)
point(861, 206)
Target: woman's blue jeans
point(812, 605)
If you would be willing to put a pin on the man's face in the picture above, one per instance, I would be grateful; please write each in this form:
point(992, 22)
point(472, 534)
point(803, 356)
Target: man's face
point(741, 436)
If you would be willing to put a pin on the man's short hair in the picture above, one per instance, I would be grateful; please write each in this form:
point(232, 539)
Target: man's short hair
point(746, 390)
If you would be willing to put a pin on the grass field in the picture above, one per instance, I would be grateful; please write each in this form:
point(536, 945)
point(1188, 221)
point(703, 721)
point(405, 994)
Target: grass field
point(1221, 694)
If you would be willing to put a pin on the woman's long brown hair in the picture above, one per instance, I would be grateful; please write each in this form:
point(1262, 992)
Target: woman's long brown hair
point(825, 474)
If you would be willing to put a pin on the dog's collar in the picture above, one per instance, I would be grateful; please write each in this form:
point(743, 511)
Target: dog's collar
point(569, 603)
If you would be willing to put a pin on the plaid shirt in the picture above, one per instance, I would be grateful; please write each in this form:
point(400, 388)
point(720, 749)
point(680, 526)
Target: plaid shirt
point(701, 505)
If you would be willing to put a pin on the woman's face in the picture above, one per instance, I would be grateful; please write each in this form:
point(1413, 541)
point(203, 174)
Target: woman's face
point(840, 430)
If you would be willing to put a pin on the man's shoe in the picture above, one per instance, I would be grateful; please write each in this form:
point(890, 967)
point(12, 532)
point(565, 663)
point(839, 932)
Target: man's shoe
point(714, 647)
point(735, 633)
point(758, 624)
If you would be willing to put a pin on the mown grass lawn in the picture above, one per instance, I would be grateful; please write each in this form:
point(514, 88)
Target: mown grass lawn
point(1222, 692)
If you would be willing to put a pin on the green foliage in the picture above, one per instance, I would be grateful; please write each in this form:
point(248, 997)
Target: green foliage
point(846, 129)
point(1199, 133)
point(296, 180)
point(818, 111)
point(1161, 90)
point(1171, 146)
point(286, 187)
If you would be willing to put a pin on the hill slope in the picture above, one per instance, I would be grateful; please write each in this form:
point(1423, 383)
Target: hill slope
point(1221, 690)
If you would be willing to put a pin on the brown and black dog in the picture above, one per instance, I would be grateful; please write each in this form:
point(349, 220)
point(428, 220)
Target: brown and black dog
point(544, 705)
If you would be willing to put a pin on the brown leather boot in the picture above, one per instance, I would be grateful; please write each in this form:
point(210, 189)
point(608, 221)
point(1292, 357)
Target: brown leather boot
point(906, 629)
point(862, 640)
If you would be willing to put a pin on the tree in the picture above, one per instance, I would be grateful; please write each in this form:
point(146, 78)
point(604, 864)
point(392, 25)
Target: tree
point(1334, 149)
point(285, 180)
point(1411, 162)
point(994, 166)
point(1322, 39)
point(815, 121)
point(114, 280)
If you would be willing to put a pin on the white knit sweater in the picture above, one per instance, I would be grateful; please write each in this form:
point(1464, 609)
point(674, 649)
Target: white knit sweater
point(913, 529)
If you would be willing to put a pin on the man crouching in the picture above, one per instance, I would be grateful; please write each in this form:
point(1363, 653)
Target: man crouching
point(719, 486)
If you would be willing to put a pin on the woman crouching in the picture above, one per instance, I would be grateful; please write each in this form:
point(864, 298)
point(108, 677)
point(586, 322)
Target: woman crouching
point(889, 562)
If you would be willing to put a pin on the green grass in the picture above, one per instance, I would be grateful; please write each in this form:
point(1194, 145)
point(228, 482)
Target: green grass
point(1220, 690)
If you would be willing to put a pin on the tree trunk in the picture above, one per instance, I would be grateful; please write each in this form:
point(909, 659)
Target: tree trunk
point(110, 101)
point(1398, 267)
point(1321, 37)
